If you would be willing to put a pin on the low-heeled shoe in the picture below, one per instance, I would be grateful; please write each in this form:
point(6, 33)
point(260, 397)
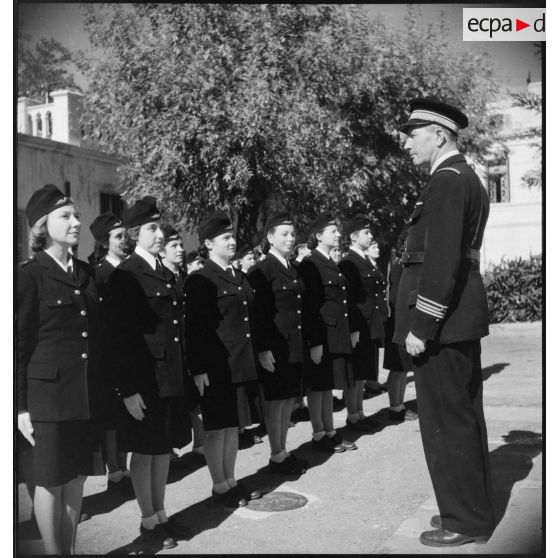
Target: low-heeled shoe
point(291, 465)
point(247, 492)
point(327, 445)
point(157, 537)
point(441, 537)
point(230, 499)
point(347, 444)
point(360, 425)
point(174, 529)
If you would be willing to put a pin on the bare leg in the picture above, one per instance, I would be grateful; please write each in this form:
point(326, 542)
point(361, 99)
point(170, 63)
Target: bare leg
point(140, 472)
point(394, 382)
point(272, 410)
point(159, 474)
point(286, 411)
point(213, 449)
point(327, 410)
point(48, 513)
point(315, 409)
point(72, 495)
point(350, 396)
point(230, 449)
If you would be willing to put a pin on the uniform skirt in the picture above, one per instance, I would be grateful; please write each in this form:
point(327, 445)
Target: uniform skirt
point(283, 383)
point(396, 358)
point(219, 406)
point(166, 426)
point(335, 371)
point(64, 450)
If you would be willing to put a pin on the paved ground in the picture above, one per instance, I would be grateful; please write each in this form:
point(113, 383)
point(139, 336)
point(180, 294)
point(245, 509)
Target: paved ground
point(375, 500)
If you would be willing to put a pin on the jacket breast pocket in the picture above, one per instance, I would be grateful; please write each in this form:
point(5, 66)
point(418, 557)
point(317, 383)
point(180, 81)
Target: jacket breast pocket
point(42, 371)
point(58, 299)
point(157, 292)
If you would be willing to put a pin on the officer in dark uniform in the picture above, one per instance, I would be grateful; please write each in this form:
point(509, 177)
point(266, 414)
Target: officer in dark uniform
point(363, 293)
point(441, 315)
point(278, 291)
point(219, 333)
point(56, 312)
point(109, 252)
point(330, 332)
point(148, 346)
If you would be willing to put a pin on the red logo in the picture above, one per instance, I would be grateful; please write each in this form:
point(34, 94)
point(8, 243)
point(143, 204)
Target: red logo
point(519, 25)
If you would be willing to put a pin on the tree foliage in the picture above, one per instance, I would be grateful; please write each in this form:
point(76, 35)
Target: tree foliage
point(43, 67)
point(250, 107)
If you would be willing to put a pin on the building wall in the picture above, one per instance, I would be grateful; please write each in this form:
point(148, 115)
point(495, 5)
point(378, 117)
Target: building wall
point(89, 172)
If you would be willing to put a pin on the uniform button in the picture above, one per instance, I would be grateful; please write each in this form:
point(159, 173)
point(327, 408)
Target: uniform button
point(83, 313)
point(298, 311)
point(247, 335)
point(174, 303)
point(224, 292)
point(59, 301)
point(376, 308)
point(284, 287)
point(299, 327)
point(175, 322)
point(176, 339)
point(344, 302)
point(245, 303)
point(239, 288)
point(101, 298)
point(298, 296)
point(84, 333)
point(346, 315)
point(77, 292)
point(344, 288)
point(329, 282)
point(158, 294)
point(340, 275)
point(295, 281)
point(169, 285)
point(84, 355)
point(246, 319)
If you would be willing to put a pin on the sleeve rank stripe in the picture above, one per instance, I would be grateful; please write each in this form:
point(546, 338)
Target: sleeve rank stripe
point(430, 311)
point(432, 303)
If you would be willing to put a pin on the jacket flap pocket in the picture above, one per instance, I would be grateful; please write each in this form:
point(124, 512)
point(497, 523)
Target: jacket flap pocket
point(330, 320)
point(58, 298)
point(157, 350)
point(226, 292)
point(154, 292)
point(412, 298)
point(42, 371)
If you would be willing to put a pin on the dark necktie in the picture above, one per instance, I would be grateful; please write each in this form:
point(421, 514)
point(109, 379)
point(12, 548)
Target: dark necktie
point(70, 272)
point(230, 271)
point(158, 266)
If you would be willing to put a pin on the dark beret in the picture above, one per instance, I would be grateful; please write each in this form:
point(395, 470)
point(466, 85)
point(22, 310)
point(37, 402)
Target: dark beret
point(143, 211)
point(169, 234)
point(277, 218)
point(216, 224)
point(43, 201)
point(191, 257)
point(320, 223)
point(356, 223)
point(431, 110)
point(103, 224)
point(244, 251)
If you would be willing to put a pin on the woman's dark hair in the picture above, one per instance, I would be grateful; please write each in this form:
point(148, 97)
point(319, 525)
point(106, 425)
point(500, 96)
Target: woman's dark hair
point(203, 252)
point(265, 245)
point(132, 235)
point(312, 241)
point(100, 250)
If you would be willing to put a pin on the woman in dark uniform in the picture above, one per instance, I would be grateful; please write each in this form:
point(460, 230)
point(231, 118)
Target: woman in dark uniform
point(172, 256)
point(148, 353)
point(109, 252)
point(362, 283)
point(279, 337)
point(219, 332)
point(329, 331)
point(379, 316)
point(55, 315)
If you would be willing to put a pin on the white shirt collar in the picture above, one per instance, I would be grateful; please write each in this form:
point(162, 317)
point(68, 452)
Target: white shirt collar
point(70, 263)
point(324, 253)
point(112, 261)
point(279, 257)
point(358, 251)
point(441, 159)
point(149, 258)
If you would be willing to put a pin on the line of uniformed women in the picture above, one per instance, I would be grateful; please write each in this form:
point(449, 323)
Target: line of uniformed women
point(138, 346)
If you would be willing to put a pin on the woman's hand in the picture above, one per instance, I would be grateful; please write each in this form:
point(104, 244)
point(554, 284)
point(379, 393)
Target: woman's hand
point(201, 380)
point(355, 338)
point(26, 427)
point(267, 360)
point(316, 354)
point(135, 406)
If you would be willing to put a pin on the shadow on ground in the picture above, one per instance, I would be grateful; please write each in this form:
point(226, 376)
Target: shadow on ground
point(493, 369)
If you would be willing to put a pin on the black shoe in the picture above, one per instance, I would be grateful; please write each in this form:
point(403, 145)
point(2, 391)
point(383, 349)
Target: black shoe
point(360, 425)
point(373, 392)
point(291, 424)
point(247, 492)
point(247, 439)
point(291, 465)
point(174, 529)
point(396, 416)
point(230, 499)
point(373, 421)
point(436, 522)
point(84, 517)
point(338, 404)
point(157, 537)
point(441, 537)
point(347, 444)
point(197, 458)
point(327, 445)
point(302, 464)
point(410, 415)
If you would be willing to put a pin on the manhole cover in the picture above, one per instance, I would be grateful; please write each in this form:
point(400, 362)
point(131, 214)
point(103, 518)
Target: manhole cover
point(278, 501)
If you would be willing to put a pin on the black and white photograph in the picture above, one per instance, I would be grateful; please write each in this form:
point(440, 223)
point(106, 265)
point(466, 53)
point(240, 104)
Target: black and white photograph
point(279, 278)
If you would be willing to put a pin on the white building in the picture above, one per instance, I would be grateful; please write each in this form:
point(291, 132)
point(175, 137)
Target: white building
point(514, 227)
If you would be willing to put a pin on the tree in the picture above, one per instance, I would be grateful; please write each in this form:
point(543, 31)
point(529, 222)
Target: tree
point(252, 107)
point(42, 68)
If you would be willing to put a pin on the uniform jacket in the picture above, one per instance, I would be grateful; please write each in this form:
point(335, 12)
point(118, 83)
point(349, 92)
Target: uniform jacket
point(220, 325)
point(328, 318)
point(278, 293)
point(148, 343)
point(367, 292)
point(443, 298)
point(55, 318)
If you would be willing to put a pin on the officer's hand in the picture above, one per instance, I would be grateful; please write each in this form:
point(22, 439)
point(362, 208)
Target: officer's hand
point(25, 427)
point(201, 380)
point(414, 345)
point(267, 360)
point(355, 338)
point(135, 406)
point(316, 354)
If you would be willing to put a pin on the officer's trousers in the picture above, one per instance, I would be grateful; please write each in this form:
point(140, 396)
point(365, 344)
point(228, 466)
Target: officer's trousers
point(448, 382)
